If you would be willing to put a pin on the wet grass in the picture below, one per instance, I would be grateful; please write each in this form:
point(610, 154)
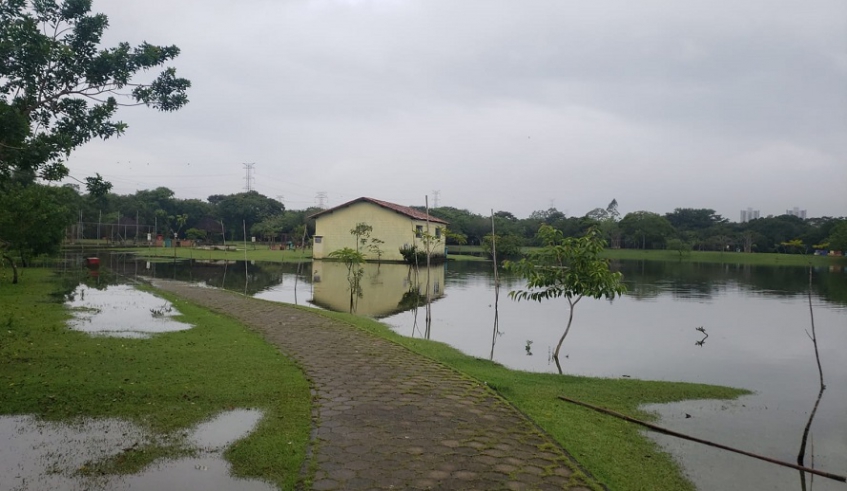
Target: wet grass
point(763, 258)
point(614, 451)
point(167, 383)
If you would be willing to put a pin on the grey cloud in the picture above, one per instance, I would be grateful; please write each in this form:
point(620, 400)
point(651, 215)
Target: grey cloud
point(499, 104)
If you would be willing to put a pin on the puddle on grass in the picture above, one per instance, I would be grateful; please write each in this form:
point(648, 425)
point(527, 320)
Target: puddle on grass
point(40, 455)
point(121, 311)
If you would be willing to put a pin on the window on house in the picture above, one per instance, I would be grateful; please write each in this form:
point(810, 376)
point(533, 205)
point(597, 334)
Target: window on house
point(318, 239)
point(419, 231)
point(437, 232)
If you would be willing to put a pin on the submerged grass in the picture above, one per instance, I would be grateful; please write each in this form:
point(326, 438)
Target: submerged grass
point(167, 383)
point(258, 254)
point(615, 452)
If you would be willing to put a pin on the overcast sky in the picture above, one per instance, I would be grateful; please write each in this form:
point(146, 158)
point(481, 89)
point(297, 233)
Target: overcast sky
point(511, 105)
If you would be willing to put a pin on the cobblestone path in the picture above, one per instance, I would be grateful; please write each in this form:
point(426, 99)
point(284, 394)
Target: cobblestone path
point(387, 418)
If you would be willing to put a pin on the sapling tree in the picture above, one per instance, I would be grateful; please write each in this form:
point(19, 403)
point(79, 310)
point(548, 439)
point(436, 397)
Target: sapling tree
point(362, 231)
point(569, 268)
point(680, 246)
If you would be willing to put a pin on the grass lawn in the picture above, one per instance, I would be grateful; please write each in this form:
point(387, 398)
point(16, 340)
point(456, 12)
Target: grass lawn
point(466, 257)
point(167, 383)
point(763, 258)
point(614, 451)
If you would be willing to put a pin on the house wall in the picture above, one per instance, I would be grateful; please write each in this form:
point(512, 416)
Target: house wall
point(394, 228)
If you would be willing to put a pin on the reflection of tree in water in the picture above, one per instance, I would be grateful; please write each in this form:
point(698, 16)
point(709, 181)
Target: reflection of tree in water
point(229, 275)
point(72, 278)
point(701, 342)
point(412, 299)
point(354, 280)
point(649, 279)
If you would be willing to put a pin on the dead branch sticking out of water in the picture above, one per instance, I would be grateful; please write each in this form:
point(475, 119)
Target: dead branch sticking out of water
point(802, 454)
point(496, 330)
point(666, 431)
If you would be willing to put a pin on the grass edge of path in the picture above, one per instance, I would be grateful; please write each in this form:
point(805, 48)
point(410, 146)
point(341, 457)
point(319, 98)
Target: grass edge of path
point(613, 452)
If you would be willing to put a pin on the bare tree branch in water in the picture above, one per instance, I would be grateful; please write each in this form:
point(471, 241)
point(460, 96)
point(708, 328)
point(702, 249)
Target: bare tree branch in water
point(813, 336)
point(496, 288)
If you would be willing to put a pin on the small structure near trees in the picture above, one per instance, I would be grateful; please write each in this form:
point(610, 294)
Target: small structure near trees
point(377, 229)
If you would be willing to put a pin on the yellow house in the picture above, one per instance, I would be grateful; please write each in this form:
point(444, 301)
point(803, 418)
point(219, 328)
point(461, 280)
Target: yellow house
point(395, 225)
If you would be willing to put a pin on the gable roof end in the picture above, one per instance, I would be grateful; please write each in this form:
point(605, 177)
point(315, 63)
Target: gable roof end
point(403, 210)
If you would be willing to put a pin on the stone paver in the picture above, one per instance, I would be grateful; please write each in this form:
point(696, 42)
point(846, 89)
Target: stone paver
point(386, 418)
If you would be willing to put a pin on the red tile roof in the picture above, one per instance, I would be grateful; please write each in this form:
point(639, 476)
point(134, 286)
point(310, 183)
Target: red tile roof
point(403, 210)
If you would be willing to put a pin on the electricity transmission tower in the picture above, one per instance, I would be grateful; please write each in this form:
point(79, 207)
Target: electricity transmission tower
point(249, 177)
point(322, 198)
point(435, 195)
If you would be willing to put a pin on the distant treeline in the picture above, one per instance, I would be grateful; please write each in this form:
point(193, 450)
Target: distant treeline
point(267, 219)
point(226, 217)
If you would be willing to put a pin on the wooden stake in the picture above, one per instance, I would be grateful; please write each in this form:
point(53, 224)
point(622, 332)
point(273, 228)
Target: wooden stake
point(665, 431)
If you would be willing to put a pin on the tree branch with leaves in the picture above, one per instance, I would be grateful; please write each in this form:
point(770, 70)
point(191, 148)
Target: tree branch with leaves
point(569, 268)
point(59, 88)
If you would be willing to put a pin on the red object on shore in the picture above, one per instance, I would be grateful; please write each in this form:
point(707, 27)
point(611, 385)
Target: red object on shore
point(92, 262)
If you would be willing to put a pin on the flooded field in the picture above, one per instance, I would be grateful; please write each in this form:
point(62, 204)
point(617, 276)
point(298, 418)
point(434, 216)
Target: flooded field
point(754, 322)
point(121, 311)
point(39, 455)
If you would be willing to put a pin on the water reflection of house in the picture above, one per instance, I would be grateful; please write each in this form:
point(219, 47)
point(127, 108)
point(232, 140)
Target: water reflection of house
point(397, 226)
point(384, 289)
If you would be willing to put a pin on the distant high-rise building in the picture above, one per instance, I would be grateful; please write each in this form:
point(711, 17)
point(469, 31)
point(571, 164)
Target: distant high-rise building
point(797, 212)
point(749, 214)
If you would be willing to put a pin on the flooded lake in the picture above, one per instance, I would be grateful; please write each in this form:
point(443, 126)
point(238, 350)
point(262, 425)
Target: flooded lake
point(752, 320)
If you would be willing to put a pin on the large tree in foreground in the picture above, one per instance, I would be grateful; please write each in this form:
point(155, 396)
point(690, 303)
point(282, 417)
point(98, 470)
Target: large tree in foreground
point(569, 267)
point(59, 88)
point(33, 220)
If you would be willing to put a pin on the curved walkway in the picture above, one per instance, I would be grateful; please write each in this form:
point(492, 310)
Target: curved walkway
point(387, 418)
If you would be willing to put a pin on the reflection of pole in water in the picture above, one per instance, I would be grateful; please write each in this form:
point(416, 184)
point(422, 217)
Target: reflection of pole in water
point(223, 278)
point(813, 336)
point(299, 263)
point(428, 296)
point(246, 275)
